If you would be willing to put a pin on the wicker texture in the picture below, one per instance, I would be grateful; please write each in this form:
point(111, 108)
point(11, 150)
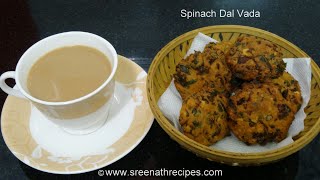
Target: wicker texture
point(161, 73)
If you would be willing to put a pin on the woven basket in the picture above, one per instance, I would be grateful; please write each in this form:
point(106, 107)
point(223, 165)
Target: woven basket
point(163, 67)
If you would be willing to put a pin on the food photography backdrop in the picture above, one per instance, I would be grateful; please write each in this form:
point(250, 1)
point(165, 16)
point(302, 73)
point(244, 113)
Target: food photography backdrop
point(138, 30)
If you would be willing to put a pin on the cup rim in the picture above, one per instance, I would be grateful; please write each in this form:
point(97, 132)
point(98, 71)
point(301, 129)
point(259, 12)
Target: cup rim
point(105, 83)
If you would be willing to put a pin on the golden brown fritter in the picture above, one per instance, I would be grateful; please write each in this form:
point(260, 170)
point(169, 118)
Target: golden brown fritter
point(264, 101)
point(217, 50)
point(206, 69)
point(203, 117)
point(258, 113)
point(290, 89)
point(253, 58)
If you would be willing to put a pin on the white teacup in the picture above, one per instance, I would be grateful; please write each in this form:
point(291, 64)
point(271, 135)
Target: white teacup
point(79, 116)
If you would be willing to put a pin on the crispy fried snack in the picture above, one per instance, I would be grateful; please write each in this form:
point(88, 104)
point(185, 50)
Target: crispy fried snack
point(203, 117)
point(264, 101)
point(253, 58)
point(290, 90)
point(206, 69)
point(258, 113)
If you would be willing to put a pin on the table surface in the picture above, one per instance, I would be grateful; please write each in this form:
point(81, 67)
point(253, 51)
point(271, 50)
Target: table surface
point(138, 30)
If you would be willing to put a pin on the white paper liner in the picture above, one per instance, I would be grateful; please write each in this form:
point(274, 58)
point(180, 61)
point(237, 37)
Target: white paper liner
point(170, 103)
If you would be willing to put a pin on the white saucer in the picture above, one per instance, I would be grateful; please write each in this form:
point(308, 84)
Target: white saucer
point(42, 145)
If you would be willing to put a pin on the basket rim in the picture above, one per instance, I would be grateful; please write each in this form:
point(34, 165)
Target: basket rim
point(171, 131)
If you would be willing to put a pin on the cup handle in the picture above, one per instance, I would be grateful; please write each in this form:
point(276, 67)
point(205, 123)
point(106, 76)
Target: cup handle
point(8, 89)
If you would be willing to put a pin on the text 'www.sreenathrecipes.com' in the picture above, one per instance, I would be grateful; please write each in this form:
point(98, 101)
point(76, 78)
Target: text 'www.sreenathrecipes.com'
point(160, 173)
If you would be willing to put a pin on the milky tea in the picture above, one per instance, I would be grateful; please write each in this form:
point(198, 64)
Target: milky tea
point(68, 73)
